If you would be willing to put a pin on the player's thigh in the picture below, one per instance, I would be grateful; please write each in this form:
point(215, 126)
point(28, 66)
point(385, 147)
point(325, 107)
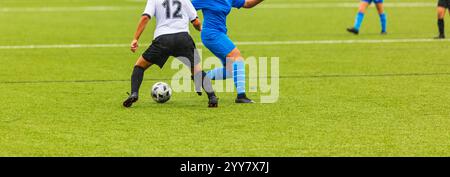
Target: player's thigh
point(156, 53)
point(441, 12)
point(221, 45)
point(141, 62)
point(185, 50)
point(442, 6)
point(363, 5)
point(234, 55)
point(380, 7)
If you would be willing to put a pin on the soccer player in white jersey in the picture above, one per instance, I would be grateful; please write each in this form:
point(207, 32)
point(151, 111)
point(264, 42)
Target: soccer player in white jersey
point(171, 38)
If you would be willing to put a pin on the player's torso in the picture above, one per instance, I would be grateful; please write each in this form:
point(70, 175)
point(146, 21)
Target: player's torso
point(215, 13)
point(171, 17)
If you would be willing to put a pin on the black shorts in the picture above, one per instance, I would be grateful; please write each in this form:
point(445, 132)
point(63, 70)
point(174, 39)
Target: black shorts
point(179, 45)
point(444, 3)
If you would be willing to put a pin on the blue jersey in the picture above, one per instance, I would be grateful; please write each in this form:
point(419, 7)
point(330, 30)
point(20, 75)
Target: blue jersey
point(215, 13)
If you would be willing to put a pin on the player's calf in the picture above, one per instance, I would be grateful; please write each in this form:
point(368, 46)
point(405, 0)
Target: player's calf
point(441, 29)
point(202, 81)
point(136, 81)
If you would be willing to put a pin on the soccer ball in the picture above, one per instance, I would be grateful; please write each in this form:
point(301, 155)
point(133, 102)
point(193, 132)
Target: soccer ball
point(161, 92)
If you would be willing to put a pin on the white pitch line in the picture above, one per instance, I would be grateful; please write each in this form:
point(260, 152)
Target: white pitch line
point(341, 5)
point(64, 46)
point(369, 41)
point(256, 43)
point(262, 6)
point(69, 9)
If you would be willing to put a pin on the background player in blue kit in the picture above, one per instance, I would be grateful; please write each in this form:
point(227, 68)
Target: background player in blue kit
point(360, 16)
point(214, 37)
point(442, 6)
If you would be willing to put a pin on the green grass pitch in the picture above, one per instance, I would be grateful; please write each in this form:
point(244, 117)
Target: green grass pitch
point(354, 99)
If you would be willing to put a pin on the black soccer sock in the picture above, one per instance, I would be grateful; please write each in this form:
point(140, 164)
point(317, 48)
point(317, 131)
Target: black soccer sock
point(441, 26)
point(136, 78)
point(201, 80)
point(207, 85)
point(197, 79)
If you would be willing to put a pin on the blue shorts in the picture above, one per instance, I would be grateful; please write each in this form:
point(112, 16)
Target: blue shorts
point(375, 1)
point(219, 44)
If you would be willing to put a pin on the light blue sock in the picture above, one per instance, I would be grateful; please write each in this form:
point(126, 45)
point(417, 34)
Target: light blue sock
point(383, 20)
point(218, 74)
point(358, 21)
point(239, 76)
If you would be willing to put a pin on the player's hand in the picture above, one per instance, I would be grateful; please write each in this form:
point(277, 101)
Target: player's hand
point(134, 45)
point(197, 24)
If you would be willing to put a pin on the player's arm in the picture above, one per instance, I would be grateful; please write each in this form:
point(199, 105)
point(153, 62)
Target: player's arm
point(140, 29)
point(149, 12)
point(197, 24)
point(192, 15)
point(251, 3)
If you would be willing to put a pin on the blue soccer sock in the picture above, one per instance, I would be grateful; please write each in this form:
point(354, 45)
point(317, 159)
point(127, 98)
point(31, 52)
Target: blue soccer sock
point(383, 20)
point(358, 20)
point(239, 76)
point(218, 74)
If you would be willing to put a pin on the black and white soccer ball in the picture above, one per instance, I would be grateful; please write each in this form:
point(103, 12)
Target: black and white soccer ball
point(161, 92)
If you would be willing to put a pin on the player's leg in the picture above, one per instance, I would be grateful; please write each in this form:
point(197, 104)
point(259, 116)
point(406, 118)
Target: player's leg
point(182, 46)
point(136, 80)
point(202, 81)
point(359, 17)
point(155, 54)
point(382, 14)
point(440, 15)
point(220, 73)
point(198, 75)
point(236, 65)
point(231, 57)
point(220, 45)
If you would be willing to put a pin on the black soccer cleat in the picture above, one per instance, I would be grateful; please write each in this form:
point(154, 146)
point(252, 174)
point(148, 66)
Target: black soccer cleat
point(213, 102)
point(353, 30)
point(441, 36)
point(131, 99)
point(243, 100)
point(383, 33)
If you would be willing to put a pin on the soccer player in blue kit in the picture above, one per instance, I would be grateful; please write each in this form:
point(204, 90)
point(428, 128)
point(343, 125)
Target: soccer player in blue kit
point(214, 37)
point(360, 16)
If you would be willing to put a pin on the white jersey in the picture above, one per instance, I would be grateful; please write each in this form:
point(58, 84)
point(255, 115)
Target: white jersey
point(172, 16)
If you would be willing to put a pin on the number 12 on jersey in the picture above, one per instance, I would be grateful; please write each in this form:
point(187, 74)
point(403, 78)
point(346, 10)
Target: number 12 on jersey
point(168, 6)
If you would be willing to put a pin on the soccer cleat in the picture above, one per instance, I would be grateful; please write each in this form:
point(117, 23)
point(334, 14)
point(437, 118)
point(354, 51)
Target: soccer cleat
point(244, 100)
point(131, 99)
point(441, 36)
point(213, 102)
point(353, 30)
point(383, 33)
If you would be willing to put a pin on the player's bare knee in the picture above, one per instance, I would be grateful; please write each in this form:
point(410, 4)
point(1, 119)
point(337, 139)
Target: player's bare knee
point(141, 62)
point(380, 8)
point(441, 12)
point(235, 55)
point(362, 7)
point(196, 69)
